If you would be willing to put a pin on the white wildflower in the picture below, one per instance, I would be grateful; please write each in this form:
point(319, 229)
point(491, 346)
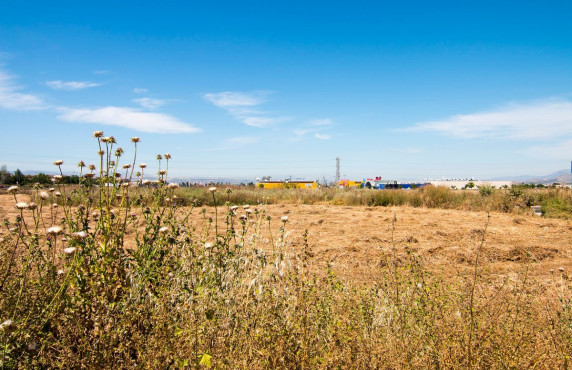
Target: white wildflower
point(69, 251)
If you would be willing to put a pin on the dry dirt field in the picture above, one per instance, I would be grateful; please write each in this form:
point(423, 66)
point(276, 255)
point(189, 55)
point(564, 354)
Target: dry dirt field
point(355, 241)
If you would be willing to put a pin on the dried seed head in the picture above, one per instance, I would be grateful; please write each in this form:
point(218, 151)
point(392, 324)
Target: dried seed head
point(89, 175)
point(561, 269)
point(51, 190)
point(118, 152)
point(32, 206)
point(126, 166)
point(173, 185)
point(143, 165)
point(284, 218)
point(59, 163)
point(145, 182)
point(81, 164)
point(80, 235)
point(167, 156)
point(208, 245)
point(91, 167)
point(98, 134)
point(162, 172)
point(246, 206)
point(55, 205)
point(159, 157)
point(212, 189)
point(7, 325)
point(22, 205)
point(233, 208)
point(57, 178)
point(100, 152)
point(69, 251)
point(13, 189)
point(164, 230)
point(44, 195)
point(135, 139)
point(55, 230)
point(58, 194)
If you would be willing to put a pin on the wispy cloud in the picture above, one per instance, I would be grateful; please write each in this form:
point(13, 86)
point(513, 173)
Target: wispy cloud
point(11, 98)
point(242, 107)
point(230, 99)
point(316, 127)
point(140, 90)
point(538, 120)
point(149, 103)
point(70, 85)
point(128, 118)
point(101, 72)
point(322, 122)
point(561, 151)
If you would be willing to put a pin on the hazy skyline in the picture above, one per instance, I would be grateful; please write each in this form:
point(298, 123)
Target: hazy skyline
point(246, 89)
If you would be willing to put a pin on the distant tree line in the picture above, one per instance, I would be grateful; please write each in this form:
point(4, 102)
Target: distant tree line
point(18, 178)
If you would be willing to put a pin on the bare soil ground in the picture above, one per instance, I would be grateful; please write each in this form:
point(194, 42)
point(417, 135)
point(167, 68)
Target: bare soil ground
point(355, 241)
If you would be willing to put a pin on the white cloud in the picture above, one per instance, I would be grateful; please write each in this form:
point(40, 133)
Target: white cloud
point(322, 136)
point(139, 90)
point(561, 151)
point(234, 99)
point(128, 118)
point(70, 85)
point(322, 122)
point(263, 121)
point(149, 103)
point(539, 120)
point(11, 98)
point(241, 106)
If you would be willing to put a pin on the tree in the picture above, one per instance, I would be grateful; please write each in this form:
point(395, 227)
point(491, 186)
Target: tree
point(18, 178)
point(4, 175)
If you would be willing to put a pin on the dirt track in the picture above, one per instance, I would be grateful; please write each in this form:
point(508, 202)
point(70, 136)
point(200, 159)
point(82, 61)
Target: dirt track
point(355, 240)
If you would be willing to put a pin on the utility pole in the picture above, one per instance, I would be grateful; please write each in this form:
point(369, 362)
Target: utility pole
point(337, 171)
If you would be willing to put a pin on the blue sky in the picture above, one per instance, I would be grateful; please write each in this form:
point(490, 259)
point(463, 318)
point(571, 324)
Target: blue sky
point(402, 90)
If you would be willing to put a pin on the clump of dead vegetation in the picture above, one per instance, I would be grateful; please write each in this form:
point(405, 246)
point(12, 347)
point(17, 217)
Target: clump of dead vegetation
point(195, 295)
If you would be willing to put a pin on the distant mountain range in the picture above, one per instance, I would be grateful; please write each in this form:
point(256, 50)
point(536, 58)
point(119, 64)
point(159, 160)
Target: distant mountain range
point(562, 176)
